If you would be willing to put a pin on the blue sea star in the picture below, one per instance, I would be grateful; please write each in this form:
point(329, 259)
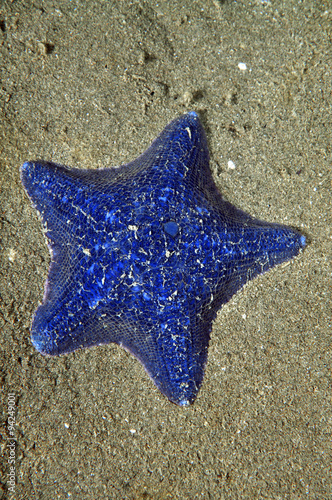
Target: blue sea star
point(144, 255)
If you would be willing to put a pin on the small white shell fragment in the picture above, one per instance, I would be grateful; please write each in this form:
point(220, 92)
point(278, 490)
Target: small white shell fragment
point(242, 66)
point(231, 165)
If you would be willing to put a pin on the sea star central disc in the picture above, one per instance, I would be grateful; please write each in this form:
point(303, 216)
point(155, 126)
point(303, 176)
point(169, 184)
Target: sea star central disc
point(144, 255)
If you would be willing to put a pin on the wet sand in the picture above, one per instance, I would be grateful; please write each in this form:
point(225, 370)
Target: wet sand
point(91, 86)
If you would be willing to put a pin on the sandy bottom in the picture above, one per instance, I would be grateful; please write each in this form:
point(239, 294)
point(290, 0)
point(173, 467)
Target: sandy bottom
point(90, 84)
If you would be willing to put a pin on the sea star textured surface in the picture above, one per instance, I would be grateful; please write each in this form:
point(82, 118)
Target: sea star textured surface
point(145, 254)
